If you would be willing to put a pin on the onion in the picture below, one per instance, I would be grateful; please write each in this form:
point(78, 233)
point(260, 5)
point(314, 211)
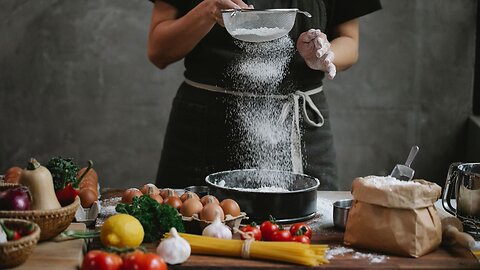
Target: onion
point(15, 199)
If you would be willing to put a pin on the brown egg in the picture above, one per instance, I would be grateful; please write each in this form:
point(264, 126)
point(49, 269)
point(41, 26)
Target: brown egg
point(173, 201)
point(168, 192)
point(156, 197)
point(91, 173)
point(209, 199)
point(230, 207)
point(150, 189)
point(190, 207)
point(87, 197)
point(130, 193)
point(94, 190)
point(187, 195)
point(88, 182)
point(209, 211)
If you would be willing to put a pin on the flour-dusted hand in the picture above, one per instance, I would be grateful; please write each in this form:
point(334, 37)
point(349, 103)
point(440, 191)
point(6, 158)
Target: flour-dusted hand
point(217, 5)
point(314, 47)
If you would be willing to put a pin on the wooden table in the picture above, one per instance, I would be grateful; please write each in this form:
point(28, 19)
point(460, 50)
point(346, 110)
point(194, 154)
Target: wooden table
point(444, 258)
point(51, 255)
point(65, 255)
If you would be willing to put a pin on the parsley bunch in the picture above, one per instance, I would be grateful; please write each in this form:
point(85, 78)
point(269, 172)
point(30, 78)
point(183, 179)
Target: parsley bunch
point(64, 171)
point(156, 219)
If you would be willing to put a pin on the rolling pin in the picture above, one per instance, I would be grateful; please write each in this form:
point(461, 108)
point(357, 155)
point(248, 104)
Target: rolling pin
point(452, 232)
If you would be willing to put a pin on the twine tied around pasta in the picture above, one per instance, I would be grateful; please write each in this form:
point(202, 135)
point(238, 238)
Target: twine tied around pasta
point(249, 238)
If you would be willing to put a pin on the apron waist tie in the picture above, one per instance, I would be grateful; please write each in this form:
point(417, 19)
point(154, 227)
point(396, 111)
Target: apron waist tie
point(295, 134)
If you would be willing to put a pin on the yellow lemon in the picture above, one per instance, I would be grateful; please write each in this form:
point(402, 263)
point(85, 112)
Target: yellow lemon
point(122, 230)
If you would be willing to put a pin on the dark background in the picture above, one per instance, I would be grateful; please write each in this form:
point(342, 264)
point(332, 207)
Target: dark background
point(75, 81)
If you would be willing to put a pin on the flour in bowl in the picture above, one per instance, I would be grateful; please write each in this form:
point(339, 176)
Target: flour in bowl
point(265, 189)
point(262, 31)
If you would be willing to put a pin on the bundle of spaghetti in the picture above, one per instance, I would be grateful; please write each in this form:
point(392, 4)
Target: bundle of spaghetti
point(291, 252)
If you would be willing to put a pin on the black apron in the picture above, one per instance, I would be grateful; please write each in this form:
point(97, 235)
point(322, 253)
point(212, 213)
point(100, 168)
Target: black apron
point(199, 135)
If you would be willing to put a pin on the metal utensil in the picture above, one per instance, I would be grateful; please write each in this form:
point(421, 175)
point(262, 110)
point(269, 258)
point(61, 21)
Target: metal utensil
point(259, 25)
point(404, 172)
point(340, 213)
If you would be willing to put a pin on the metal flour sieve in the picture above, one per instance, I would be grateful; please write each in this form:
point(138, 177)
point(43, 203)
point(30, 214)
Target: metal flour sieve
point(259, 25)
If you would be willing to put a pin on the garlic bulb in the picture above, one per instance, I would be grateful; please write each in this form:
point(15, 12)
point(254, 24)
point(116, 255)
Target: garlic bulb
point(217, 229)
point(3, 235)
point(174, 249)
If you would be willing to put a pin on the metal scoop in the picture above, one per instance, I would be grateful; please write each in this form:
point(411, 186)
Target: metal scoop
point(404, 172)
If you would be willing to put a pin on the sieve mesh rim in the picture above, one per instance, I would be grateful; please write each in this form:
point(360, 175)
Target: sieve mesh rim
point(271, 10)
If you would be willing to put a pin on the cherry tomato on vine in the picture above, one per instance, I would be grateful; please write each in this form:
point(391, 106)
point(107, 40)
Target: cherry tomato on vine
point(301, 238)
point(253, 228)
point(268, 228)
point(143, 261)
point(301, 229)
point(101, 260)
point(282, 235)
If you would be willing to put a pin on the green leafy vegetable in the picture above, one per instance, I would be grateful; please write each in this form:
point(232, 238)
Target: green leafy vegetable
point(155, 218)
point(64, 171)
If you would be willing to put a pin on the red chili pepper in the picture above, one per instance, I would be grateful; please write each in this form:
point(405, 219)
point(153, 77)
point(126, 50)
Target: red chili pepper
point(11, 234)
point(66, 195)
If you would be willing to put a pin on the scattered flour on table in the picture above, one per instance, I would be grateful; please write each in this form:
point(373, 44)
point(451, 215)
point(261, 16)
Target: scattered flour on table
point(108, 207)
point(341, 251)
point(325, 208)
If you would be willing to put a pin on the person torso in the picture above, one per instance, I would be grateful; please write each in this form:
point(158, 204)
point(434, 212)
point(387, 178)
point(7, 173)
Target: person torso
point(210, 60)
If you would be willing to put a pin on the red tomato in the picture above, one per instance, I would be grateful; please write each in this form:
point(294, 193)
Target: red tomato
point(301, 229)
point(101, 260)
point(301, 239)
point(253, 228)
point(138, 260)
point(282, 235)
point(268, 228)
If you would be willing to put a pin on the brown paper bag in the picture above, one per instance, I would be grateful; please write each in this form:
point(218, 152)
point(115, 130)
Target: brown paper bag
point(396, 218)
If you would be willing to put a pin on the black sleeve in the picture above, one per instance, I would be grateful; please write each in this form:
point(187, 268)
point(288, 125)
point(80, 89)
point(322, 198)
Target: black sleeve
point(345, 10)
point(183, 6)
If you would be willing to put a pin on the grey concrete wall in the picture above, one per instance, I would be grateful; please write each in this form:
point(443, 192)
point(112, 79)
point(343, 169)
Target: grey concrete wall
point(75, 81)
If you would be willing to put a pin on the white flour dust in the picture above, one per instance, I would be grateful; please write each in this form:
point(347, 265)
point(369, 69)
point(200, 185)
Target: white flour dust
point(262, 138)
point(342, 251)
point(258, 34)
point(262, 31)
point(265, 189)
point(384, 181)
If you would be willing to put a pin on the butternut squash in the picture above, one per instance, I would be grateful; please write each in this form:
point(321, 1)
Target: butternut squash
point(40, 182)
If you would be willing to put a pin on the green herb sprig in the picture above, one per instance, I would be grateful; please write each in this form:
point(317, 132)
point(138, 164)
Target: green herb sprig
point(64, 171)
point(156, 219)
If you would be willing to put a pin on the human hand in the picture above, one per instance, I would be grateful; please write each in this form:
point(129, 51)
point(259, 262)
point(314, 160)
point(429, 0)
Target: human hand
point(215, 7)
point(314, 47)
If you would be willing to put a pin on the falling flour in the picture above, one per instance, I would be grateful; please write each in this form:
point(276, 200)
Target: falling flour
point(262, 137)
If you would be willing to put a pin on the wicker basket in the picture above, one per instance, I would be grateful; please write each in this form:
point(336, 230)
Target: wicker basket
point(52, 222)
point(13, 253)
